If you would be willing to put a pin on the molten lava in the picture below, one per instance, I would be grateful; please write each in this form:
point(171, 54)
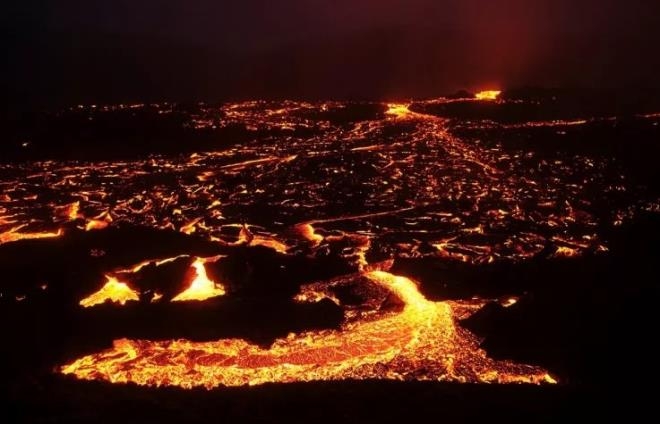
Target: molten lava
point(202, 287)
point(246, 236)
point(95, 224)
point(307, 232)
point(427, 180)
point(114, 291)
point(398, 110)
point(337, 181)
point(488, 95)
point(73, 211)
point(14, 235)
point(99, 222)
point(420, 342)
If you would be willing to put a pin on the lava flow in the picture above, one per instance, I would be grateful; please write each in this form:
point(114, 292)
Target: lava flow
point(202, 287)
point(450, 183)
point(15, 235)
point(114, 291)
point(421, 341)
point(401, 173)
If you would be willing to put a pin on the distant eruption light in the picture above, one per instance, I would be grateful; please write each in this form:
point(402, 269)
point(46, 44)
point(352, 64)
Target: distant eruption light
point(398, 110)
point(488, 95)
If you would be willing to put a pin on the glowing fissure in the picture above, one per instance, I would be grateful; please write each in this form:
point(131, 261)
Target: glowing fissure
point(156, 262)
point(421, 341)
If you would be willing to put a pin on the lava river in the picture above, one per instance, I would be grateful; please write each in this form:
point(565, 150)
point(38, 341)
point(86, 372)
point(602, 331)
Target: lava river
point(420, 341)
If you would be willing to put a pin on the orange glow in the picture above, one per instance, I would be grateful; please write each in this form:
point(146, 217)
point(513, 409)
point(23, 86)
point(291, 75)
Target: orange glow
point(138, 267)
point(95, 224)
point(206, 207)
point(269, 242)
point(399, 181)
point(70, 212)
point(15, 235)
point(488, 95)
point(73, 211)
point(189, 228)
point(113, 291)
point(99, 222)
point(565, 252)
point(509, 301)
point(555, 123)
point(398, 110)
point(202, 287)
point(245, 236)
point(307, 232)
point(420, 342)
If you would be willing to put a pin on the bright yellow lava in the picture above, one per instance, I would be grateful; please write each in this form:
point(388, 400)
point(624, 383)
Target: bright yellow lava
point(114, 291)
point(420, 342)
point(398, 110)
point(15, 235)
point(202, 287)
point(95, 224)
point(488, 95)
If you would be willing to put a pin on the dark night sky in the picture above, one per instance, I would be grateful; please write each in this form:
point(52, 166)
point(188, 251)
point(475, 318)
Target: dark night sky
point(68, 51)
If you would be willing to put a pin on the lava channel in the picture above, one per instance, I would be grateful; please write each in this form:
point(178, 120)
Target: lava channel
point(420, 342)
